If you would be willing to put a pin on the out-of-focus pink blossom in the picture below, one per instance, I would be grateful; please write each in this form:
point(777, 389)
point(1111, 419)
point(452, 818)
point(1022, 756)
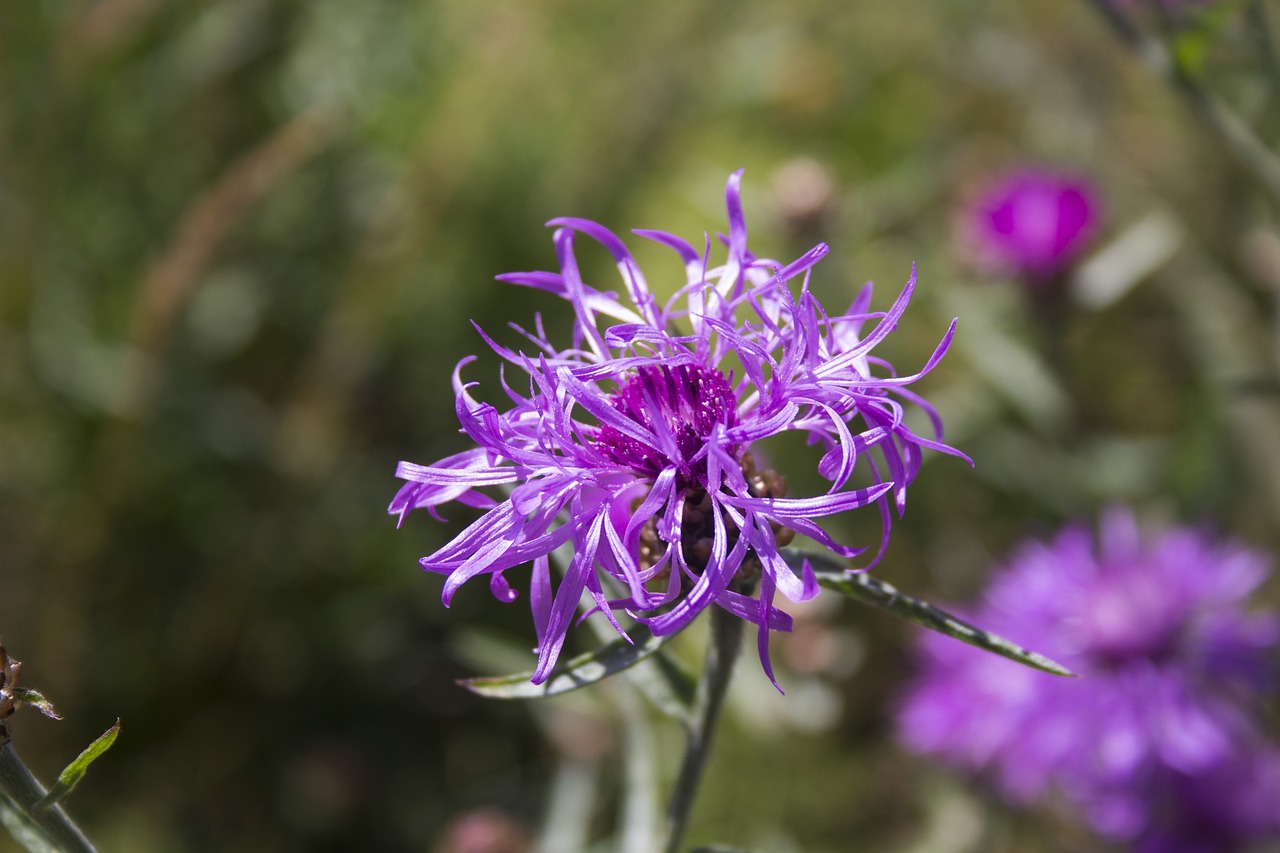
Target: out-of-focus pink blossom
point(1032, 223)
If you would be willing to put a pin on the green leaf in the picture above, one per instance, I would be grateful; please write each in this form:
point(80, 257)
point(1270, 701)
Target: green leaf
point(36, 699)
point(1193, 43)
point(1190, 51)
point(74, 772)
point(572, 674)
point(879, 594)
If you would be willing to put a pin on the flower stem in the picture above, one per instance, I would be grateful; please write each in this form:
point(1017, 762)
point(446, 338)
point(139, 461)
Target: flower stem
point(44, 829)
point(1230, 129)
point(722, 652)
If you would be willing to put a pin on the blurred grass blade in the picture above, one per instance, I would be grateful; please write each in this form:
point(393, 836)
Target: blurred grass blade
point(638, 822)
point(879, 594)
point(578, 672)
point(667, 683)
point(74, 772)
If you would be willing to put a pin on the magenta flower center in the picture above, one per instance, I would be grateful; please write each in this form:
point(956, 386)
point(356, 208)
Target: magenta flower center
point(680, 405)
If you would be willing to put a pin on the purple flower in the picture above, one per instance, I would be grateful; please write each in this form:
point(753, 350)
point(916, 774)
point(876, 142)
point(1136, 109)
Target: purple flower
point(1032, 223)
point(632, 446)
point(1155, 742)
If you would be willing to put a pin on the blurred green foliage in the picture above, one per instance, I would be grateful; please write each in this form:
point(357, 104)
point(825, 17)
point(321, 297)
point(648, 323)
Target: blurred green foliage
point(240, 245)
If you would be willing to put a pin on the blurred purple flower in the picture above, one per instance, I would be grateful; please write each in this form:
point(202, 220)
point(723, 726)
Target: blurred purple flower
point(1032, 223)
point(1155, 742)
point(632, 446)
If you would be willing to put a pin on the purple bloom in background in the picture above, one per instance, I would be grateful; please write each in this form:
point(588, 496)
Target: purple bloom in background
point(1155, 741)
point(631, 446)
point(1032, 223)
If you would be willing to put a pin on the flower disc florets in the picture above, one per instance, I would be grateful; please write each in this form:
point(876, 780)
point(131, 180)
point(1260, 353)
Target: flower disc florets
point(688, 402)
point(632, 446)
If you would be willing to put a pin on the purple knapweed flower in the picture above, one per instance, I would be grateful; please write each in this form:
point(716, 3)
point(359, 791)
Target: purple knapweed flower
point(1032, 223)
point(632, 446)
point(1155, 741)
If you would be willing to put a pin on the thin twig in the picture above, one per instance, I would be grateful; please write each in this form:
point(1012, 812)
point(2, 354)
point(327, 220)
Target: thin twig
point(1151, 51)
point(207, 221)
point(722, 653)
point(1231, 130)
point(1266, 44)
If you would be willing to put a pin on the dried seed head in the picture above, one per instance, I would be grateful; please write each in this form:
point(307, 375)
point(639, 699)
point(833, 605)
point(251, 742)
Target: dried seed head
point(9, 671)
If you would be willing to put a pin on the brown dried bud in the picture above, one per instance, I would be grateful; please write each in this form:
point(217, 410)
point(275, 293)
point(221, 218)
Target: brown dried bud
point(9, 670)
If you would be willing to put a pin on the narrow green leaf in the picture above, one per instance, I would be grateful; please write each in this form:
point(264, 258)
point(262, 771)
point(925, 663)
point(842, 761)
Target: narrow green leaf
point(579, 672)
point(74, 772)
point(36, 699)
point(879, 594)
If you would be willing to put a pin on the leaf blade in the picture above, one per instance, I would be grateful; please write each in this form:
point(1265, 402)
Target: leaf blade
point(36, 700)
point(883, 596)
point(75, 771)
point(581, 671)
point(667, 683)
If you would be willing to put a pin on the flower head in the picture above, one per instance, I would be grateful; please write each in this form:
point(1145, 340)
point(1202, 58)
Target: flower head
point(632, 446)
point(1155, 740)
point(1032, 223)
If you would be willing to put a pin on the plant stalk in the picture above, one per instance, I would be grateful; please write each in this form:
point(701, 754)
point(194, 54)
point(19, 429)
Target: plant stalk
point(39, 829)
point(722, 653)
point(1230, 129)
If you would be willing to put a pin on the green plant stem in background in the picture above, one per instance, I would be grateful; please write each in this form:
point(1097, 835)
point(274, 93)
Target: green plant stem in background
point(1260, 29)
point(1230, 129)
point(722, 653)
point(41, 829)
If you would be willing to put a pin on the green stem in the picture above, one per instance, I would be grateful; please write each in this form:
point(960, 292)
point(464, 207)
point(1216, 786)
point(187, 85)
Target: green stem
point(40, 830)
point(1232, 131)
point(722, 653)
point(1260, 28)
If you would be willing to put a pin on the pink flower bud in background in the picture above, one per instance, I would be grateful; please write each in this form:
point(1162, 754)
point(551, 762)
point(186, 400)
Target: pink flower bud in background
point(1032, 223)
